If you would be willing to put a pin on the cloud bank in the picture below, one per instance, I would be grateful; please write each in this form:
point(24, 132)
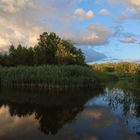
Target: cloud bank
point(131, 10)
point(23, 22)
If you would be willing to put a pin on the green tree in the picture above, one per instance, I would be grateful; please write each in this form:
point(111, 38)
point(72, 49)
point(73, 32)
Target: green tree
point(46, 49)
point(50, 49)
point(67, 53)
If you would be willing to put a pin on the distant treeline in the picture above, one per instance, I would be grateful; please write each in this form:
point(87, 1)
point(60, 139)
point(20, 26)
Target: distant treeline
point(122, 67)
point(50, 49)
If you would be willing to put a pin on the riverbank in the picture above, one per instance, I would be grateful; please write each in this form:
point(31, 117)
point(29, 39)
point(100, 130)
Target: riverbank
point(58, 77)
point(49, 76)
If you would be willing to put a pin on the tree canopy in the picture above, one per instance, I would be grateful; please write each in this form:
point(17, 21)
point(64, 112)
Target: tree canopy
point(50, 49)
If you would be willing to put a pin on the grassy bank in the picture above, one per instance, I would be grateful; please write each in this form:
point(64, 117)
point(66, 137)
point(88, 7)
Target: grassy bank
point(50, 76)
point(58, 76)
point(125, 71)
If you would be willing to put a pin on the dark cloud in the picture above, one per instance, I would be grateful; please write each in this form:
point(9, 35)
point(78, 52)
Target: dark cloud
point(91, 55)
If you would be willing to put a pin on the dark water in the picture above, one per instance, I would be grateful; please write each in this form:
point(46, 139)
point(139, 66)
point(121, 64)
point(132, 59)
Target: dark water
point(103, 114)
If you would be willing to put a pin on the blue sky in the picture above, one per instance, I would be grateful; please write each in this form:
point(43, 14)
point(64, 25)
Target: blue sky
point(102, 28)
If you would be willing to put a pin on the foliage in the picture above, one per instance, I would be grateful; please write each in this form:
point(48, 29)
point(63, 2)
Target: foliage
point(122, 67)
point(52, 108)
point(50, 76)
point(137, 75)
point(50, 49)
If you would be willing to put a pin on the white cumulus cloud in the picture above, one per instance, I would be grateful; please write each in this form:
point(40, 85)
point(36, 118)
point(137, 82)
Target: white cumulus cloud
point(104, 11)
point(96, 34)
point(81, 13)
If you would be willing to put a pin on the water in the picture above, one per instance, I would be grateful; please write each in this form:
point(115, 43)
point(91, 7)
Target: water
point(103, 114)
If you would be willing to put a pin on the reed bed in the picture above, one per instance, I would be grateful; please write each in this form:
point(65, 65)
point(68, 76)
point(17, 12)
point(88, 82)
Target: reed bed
point(49, 76)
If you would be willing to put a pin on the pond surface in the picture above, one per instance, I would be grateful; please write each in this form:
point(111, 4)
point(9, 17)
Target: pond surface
point(103, 114)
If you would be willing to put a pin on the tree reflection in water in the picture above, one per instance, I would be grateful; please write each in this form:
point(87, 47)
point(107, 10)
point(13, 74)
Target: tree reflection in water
point(126, 103)
point(86, 111)
point(52, 110)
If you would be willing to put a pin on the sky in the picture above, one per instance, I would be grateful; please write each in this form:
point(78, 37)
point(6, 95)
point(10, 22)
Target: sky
point(103, 29)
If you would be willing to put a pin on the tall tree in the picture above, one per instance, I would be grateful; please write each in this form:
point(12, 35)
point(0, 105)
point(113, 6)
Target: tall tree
point(50, 49)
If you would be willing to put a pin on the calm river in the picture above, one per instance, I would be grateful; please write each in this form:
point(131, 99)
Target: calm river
point(108, 113)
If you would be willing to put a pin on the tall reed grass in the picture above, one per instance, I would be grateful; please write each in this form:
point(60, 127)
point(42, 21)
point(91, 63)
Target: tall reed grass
point(49, 76)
